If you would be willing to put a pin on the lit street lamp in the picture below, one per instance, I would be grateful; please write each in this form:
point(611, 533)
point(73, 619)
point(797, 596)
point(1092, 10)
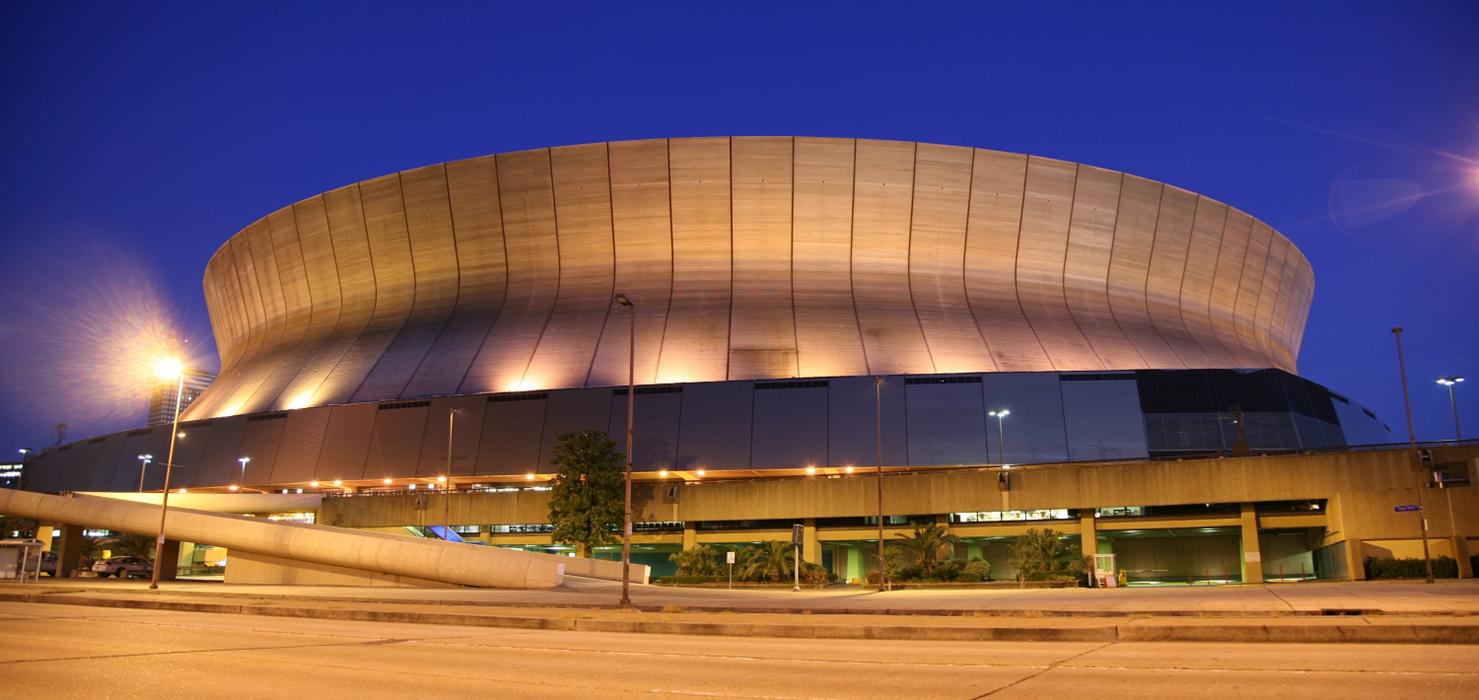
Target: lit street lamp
point(243, 460)
point(1001, 435)
point(626, 526)
point(143, 467)
point(1453, 403)
point(167, 369)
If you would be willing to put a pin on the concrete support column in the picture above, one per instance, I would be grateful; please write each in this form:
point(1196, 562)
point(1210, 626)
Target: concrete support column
point(169, 560)
point(811, 547)
point(43, 533)
point(69, 550)
point(1461, 553)
point(1088, 533)
point(1355, 563)
point(1252, 555)
point(690, 536)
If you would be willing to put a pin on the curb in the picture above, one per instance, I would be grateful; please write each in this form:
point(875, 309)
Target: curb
point(1119, 630)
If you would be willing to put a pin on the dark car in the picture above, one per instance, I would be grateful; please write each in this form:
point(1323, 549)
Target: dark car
point(48, 563)
point(123, 566)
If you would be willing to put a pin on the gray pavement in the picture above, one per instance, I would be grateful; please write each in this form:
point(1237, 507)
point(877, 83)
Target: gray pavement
point(75, 651)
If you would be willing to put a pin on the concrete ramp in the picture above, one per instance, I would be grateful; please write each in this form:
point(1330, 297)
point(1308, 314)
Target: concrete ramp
point(406, 558)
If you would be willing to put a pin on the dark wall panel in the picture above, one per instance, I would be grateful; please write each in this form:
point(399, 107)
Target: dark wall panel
point(395, 443)
point(570, 411)
point(655, 431)
point(302, 440)
point(465, 434)
point(851, 417)
point(512, 427)
point(947, 424)
point(715, 433)
point(126, 472)
point(102, 462)
point(1103, 419)
point(1034, 430)
point(218, 463)
point(260, 442)
point(346, 442)
point(790, 425)
point(190, 453)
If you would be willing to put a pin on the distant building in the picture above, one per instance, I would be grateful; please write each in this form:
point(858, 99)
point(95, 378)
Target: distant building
point(10, 476)
point(162, 397)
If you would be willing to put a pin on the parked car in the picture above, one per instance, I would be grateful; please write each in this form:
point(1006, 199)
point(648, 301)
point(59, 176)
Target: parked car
point(123, 566)
point(48, 563)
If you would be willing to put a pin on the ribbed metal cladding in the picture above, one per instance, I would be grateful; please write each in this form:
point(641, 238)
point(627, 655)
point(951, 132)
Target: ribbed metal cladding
point(748, 258)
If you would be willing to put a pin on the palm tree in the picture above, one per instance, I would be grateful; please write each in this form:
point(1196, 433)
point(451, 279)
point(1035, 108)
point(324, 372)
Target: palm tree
point(1041, 552)
point(141, 546)
point(930, 544)
point(769, 561)
point(700, 560)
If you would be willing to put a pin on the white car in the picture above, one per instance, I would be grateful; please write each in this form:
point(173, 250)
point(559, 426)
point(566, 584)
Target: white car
point(123, 566)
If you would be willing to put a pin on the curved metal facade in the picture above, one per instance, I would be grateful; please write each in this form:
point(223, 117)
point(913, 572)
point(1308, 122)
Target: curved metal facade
point(748, 258)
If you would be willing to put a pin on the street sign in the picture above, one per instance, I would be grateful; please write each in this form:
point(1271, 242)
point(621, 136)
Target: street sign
point(1407, 508)
point(729, 557)
point(798, 534)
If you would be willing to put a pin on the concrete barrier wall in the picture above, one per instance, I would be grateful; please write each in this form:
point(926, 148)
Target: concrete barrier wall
point(317, 544)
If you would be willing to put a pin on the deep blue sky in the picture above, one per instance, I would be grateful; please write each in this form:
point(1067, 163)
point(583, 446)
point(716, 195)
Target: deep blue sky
point(162, 129)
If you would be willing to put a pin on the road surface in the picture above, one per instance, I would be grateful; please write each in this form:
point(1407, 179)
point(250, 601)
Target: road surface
point(73, 651)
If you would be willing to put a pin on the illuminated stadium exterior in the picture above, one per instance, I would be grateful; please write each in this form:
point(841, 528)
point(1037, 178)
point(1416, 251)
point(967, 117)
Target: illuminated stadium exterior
point(773, 278)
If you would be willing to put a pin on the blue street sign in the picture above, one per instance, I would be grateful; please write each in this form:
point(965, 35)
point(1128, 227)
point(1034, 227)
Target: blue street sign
point(1406, 509)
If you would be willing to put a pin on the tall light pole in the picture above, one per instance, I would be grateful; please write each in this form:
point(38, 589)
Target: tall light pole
point(447, 492)
point(174, 370)
point(1453, 404)
point(1422, 514)
point(242, 479)
point(626, 526)
point(878, 445)
point(143, 467)
point(1001, 434)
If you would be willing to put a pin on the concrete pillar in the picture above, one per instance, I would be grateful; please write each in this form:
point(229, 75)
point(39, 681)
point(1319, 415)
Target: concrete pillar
point(169, 560)
point(43, 533)
point(690, 535)
point(69, 550)
point(1252, 556)
point(1355, 563)
point(1088, 534)
point(811, 547)
point(1461, 553)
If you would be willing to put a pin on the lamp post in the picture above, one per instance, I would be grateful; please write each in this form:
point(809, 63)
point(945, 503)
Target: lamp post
point(171, 369)
point(1422, 514)
point(626, 526)
point(1453, 404)
point(143, 467)
point(242, 478)
point(1001, 435)
point(878, 446)
point(447, 492)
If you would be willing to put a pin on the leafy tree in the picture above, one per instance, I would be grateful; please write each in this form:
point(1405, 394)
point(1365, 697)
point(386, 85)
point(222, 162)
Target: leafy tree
point(1043, 554)
point(702, 560)
point(586, 504)
point(930, 544)
point(771, 561)
point(141, 546)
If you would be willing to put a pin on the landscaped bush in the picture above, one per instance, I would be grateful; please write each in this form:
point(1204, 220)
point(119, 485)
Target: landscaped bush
point(975, 571)
point(770, 562)
point(1380, 568)
point(679, 579)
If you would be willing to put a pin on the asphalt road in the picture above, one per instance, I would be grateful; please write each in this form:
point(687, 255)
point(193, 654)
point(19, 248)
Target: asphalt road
point(72, 651)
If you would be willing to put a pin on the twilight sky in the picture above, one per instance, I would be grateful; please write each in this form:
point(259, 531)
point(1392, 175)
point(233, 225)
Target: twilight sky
point(137, 137)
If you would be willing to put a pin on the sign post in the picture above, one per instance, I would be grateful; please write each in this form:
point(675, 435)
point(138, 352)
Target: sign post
point(729, 558)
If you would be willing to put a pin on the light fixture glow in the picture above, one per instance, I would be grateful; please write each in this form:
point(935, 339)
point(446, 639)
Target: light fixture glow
point(233, 487)
point(313, 484)
point(412, 487)
point(168, 368)
point(529, 476)
point(811, 469)
point(338, 482)
point(848, 469)
point(441, 479)
point(699, 472)
point(662, 473)
point(385, 481)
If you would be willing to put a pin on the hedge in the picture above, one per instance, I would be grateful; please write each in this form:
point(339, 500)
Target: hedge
point(1443, 567)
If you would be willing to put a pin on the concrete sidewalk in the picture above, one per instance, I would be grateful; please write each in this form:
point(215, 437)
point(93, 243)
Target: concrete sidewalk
point(1387, 612)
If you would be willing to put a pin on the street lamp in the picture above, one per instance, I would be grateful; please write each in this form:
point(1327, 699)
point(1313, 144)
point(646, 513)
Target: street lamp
point(143, 467)
point(167, 368)
point(243, 460)
point(1001, 434)
point(878, 446)
point(626, 527)
point(1422, 515)
point(1453, 403)
point(447, 498)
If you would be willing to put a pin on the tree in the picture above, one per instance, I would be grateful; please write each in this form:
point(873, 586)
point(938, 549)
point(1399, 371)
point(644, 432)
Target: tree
point(771, 561)
point(1040, 554)
point(586, 504)
point(141, 546)
point(930, 544)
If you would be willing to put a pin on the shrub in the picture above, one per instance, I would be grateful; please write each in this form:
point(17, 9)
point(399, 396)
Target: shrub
point(679, 579)
point(1380, 568)
point(947, 570)
point(974, 571)
point(702, 560)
